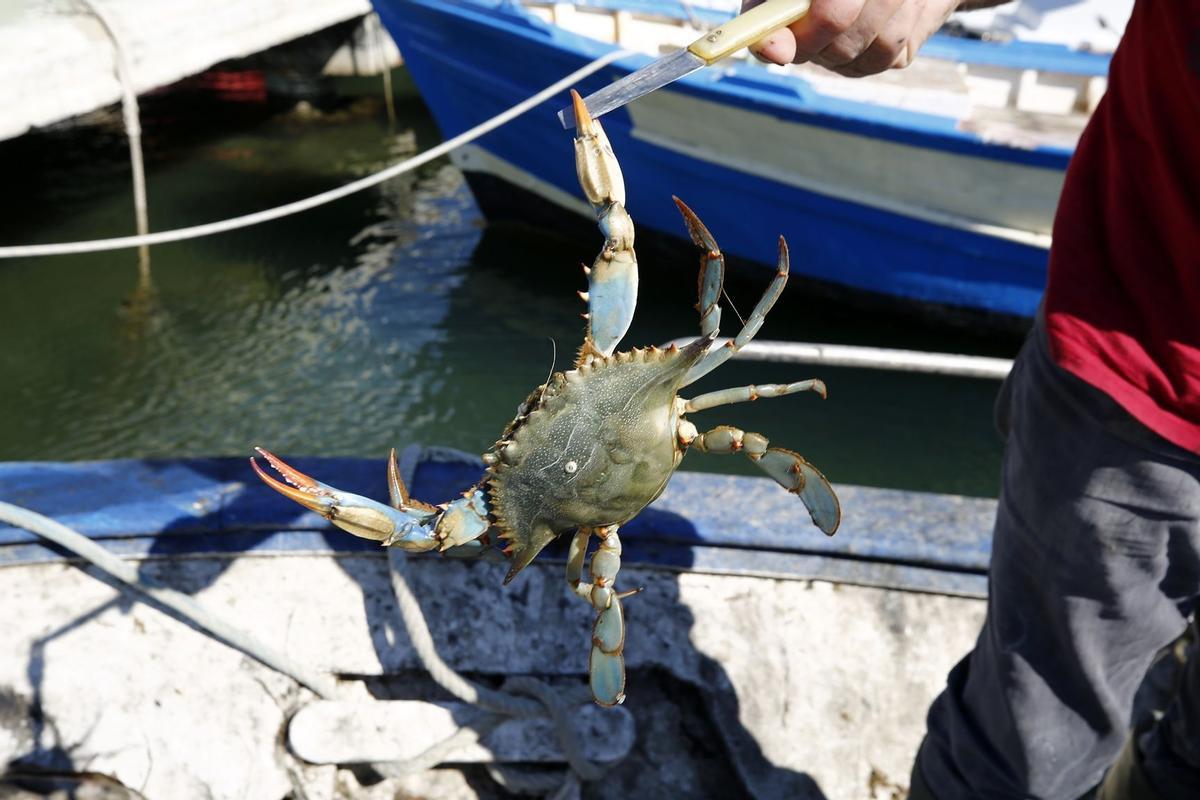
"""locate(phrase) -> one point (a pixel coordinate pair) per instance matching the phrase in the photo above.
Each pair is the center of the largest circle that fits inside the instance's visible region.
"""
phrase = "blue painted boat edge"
(1005, 303)
(218, 508)
(1016, 54)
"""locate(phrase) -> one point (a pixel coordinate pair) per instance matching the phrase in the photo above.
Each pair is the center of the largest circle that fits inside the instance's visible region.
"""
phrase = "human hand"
(856, 37)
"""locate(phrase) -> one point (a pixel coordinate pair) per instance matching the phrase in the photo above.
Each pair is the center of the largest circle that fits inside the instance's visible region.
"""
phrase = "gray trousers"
(1095, 567)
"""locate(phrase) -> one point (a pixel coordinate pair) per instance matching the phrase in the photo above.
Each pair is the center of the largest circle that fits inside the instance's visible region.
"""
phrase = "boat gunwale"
(753, 88)
(204, 508)
(1014, 53)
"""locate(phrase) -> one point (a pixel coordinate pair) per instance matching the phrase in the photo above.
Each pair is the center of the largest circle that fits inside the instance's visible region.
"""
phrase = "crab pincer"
(613, 277)
(407, 524)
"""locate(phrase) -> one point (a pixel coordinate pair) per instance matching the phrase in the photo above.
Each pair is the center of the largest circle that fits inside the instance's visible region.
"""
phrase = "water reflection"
(389, 318)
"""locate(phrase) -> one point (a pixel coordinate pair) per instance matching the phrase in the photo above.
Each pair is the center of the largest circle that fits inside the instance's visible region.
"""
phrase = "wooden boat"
(935, 184)
(755, 633)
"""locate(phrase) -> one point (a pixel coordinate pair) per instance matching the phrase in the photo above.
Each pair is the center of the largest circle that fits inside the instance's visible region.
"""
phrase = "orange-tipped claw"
(700, 234)
(583, 118)
(308, 492)
(410, 527)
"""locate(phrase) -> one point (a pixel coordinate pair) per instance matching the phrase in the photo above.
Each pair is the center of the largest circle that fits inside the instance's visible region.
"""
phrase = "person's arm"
(860, 37)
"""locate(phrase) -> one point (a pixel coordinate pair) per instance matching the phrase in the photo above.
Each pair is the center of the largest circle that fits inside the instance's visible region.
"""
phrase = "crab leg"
(576, 553)
(606, 665)
(716, 358)
(741, 394)
(408, 524)
(712, 270)
(787, 468)
(613, 278)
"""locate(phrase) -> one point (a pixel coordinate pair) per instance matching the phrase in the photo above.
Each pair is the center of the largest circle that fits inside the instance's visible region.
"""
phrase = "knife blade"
(739, 32)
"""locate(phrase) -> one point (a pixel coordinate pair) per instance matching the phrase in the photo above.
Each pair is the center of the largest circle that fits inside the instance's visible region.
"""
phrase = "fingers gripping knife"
(710, 48)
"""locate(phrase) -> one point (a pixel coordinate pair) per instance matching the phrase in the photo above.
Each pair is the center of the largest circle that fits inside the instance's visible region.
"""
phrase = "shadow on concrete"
(690, 739)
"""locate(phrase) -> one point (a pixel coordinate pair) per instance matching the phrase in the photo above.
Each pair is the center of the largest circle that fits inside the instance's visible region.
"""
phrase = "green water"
(391, 317)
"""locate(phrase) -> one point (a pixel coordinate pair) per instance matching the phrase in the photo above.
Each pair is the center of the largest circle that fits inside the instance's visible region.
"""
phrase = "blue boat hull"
(472, 60)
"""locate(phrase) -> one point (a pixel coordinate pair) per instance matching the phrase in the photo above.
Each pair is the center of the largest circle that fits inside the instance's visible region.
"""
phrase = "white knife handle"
(748, 28)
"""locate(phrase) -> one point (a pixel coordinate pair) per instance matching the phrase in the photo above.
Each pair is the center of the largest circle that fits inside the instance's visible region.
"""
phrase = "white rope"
(182, 604)
(133, 127)
(441, 672)
(540, 700)
(208, 229)
(841, 355)
(441, 752)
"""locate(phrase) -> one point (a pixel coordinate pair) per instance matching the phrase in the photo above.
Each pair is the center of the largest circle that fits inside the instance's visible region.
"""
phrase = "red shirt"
(1123, 300)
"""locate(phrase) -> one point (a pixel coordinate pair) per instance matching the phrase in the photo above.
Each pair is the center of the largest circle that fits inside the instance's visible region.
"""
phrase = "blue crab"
(594, 445)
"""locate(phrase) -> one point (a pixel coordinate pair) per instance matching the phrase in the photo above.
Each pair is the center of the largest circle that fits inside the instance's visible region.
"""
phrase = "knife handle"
(748, 28)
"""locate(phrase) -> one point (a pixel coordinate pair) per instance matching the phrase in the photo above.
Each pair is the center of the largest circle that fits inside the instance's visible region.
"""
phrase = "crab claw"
(352, 513)
(613, 278)
(595, 163)
(584, 123)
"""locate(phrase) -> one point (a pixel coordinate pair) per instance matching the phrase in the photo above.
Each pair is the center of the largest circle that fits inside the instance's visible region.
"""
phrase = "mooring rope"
(523, 697)
(133, 125)
(182, 604)
(245, 221)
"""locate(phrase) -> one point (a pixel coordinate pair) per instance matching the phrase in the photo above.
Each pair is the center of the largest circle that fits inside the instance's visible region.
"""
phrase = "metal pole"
(840, 355)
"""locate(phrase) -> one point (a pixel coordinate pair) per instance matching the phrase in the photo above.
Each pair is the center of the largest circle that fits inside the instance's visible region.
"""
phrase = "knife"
(739, 32)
